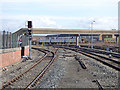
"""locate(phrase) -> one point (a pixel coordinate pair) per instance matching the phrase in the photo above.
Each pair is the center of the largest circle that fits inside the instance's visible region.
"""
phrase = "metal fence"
(9, 40)
(1, 40)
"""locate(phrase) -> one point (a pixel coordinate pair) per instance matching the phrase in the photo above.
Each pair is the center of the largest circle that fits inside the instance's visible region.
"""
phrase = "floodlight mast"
(92, 34)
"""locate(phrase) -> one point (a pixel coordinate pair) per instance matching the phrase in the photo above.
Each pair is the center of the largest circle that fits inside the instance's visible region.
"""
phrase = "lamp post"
(92, 34)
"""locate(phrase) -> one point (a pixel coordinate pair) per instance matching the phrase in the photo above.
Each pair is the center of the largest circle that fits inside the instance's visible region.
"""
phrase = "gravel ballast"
(66, 72)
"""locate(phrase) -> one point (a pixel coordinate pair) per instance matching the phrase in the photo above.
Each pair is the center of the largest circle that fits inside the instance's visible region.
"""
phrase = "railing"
(9, 40)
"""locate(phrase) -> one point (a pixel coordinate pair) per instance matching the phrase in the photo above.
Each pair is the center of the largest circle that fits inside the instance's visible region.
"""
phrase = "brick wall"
(8, 57)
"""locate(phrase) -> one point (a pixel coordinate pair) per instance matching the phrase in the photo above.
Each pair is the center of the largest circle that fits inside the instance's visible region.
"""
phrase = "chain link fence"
(9, 40)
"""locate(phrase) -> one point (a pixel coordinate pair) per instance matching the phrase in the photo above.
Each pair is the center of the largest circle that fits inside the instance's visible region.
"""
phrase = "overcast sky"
(75, 14)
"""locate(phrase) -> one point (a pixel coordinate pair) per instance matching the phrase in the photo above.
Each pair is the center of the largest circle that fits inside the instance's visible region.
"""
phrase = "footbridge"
(78, 32)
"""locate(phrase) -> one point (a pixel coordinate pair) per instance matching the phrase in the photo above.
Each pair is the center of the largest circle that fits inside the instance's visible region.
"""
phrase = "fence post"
(3, 39)
(10, 40)
(7, 40)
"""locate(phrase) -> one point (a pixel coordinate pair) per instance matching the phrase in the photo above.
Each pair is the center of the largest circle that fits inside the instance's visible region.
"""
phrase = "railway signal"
(30, 32)
(29, 24)
(30, 36)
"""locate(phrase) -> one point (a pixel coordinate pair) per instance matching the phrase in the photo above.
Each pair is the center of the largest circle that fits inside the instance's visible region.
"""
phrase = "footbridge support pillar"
(77, 40)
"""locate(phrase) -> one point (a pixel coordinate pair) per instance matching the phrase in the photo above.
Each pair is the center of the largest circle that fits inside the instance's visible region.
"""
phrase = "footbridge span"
(78, 32)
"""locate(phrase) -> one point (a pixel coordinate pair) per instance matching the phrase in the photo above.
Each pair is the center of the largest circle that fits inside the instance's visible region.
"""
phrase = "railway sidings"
(64, 67)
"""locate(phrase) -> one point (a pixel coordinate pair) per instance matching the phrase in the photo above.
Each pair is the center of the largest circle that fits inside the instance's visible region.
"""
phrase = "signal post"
(30, 36)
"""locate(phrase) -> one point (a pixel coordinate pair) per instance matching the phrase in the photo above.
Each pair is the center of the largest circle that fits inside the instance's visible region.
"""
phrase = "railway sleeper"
(99, 86)
(80, 62)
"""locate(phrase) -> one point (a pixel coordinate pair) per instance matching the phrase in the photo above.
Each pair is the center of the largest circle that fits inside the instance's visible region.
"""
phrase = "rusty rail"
(34, 82)
(22, 74)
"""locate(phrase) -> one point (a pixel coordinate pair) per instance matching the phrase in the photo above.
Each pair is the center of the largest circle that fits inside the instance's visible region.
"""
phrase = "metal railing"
(9, 40)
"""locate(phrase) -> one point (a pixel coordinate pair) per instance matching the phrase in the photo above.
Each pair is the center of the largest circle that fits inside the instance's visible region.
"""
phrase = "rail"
(11, 82)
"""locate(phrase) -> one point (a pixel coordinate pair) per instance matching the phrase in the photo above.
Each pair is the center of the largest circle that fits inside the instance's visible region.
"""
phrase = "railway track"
(115, 64)
(30, 77)
(15, 66)
(113, 48)
(116, 55)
